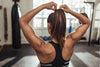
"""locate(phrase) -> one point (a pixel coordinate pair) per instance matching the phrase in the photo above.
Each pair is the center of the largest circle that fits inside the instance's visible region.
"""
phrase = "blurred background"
(86, 53)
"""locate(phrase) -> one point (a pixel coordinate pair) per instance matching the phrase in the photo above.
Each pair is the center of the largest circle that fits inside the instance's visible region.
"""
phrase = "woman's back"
(52, 52)
(57, 57)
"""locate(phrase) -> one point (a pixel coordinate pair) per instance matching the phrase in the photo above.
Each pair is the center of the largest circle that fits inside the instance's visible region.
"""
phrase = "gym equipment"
(16, 0)
(0, 7)
(41, 37)
(45, 38)
(70, 29)
(49, 38)
(89, 42)
(16, 37)
(5, 25)
(99, 41)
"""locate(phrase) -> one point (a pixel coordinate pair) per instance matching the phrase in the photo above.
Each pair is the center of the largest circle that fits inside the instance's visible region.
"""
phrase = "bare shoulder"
(48, 53)
(47, 48)
(70, 41)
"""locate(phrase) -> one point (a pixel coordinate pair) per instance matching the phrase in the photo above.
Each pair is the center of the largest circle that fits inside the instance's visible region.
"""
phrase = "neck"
(54, 40)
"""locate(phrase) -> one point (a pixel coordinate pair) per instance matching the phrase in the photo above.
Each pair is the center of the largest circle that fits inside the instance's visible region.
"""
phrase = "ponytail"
(58, 26)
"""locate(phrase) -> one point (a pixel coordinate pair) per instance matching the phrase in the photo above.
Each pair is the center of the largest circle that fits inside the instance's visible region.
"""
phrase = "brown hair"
(57, 22)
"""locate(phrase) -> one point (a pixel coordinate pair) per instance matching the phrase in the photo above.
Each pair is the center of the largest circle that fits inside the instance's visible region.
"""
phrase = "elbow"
(88, 22)
(22, 20)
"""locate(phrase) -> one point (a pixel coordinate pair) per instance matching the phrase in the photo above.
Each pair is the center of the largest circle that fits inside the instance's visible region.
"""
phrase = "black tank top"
(58, 61)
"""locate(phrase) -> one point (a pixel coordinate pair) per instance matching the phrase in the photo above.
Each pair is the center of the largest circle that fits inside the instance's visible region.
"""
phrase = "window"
(37, 22)
(40, 20)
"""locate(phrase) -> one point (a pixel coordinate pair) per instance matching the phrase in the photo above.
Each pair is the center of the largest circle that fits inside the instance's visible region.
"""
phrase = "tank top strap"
(58, 61)
(57, 48)
(58, 51)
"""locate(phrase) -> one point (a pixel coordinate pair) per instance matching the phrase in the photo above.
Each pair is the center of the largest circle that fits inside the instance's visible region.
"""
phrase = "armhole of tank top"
(55, 54)
(64, 59)
(51, 42)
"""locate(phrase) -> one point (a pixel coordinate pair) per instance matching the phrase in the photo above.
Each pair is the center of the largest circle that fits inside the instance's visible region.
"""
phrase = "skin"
(46, 51)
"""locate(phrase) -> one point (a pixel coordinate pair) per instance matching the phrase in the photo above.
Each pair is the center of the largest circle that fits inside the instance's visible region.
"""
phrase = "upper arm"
(80, 31)
(75, 36)
(37, 43)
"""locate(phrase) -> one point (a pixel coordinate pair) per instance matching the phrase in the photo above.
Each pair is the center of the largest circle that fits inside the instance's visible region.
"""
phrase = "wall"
(95, 24)
(1, 26)
(25, 7)
(97, 20)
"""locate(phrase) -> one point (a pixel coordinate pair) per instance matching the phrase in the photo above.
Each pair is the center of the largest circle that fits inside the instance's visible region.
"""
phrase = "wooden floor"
(83, 56)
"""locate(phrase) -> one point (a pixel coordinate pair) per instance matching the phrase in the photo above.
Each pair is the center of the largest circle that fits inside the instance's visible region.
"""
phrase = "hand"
(50, 5)
(65, 8)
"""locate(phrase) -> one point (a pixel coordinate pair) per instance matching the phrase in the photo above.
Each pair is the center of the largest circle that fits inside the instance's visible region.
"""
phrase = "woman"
(58, 51)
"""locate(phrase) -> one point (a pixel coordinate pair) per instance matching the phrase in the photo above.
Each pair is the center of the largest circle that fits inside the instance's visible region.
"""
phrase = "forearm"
(27, 17)
(82, 18)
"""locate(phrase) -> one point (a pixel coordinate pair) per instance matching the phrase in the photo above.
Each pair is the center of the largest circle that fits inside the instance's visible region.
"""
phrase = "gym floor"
(83, 56)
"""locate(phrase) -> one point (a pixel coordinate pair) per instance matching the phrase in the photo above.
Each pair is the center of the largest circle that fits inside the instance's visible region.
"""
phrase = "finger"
(64, 10)
(62, 6)
(52, 9)
(51, 2)
(55, 6)
(66, 6)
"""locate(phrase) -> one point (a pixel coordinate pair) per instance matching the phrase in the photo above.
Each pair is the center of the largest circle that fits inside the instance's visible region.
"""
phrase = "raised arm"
(80, 31)
(37, 43)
